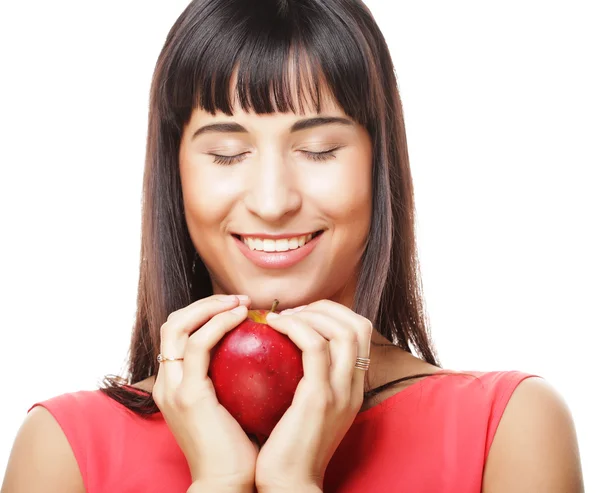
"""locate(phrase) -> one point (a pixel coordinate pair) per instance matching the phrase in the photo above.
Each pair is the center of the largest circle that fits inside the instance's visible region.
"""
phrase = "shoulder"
(60, 439)
(41, 459)
(535, 444)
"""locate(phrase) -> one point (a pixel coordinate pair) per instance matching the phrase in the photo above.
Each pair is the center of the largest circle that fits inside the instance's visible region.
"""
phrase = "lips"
(264, 253)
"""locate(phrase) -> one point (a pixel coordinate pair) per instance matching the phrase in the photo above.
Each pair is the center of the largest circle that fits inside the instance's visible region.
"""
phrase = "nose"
(272, 189)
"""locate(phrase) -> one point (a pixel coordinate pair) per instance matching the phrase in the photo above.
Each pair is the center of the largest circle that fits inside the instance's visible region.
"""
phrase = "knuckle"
(321, 304)
(164, 329)
(317, 345)
(348, 336)
(366, 326)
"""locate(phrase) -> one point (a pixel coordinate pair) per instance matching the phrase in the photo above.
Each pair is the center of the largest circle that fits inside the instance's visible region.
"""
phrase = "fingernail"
(289, 311)
(227, 298)
(238, 310)
(272, 315)
(242, 297)
(294, 310)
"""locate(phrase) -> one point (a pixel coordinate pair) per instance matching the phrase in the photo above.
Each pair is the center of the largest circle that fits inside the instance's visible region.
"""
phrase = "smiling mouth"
(279, 245)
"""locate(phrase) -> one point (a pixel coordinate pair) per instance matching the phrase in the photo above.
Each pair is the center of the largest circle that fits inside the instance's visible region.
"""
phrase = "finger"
(181, 323)
(343, 343)
(289, 311)
(196, 360)
(314, 347)
(362, 327)
(175, 332)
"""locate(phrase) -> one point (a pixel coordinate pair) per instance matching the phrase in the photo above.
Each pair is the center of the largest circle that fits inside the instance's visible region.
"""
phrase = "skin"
(277, 189)
(268, 183)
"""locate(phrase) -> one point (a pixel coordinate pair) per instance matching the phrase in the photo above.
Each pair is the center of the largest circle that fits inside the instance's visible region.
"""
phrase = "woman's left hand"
(326, 401)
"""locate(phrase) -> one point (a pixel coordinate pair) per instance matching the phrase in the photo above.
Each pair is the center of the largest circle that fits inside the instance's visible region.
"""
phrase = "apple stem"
(274, 306)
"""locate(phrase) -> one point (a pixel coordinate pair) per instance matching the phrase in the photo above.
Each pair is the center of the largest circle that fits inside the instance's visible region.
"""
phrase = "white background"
(502, 112)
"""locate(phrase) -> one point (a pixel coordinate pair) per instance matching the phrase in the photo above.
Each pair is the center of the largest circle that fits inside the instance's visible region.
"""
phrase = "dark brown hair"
(334, 45)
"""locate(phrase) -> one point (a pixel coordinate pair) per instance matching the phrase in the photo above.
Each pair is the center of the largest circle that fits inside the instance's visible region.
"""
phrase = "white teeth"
(281, 245)
(268, 245)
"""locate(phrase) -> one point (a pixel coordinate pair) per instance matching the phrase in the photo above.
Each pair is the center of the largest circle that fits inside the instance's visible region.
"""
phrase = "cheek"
(207, 198)
(207, 201)
(343, 193)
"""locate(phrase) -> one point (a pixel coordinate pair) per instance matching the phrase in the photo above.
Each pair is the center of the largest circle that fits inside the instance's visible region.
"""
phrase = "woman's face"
(249, 216)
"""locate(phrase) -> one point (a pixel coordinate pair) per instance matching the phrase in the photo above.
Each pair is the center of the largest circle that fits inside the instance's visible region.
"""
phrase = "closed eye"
(228, 159)
(315, 156)
(321, 156)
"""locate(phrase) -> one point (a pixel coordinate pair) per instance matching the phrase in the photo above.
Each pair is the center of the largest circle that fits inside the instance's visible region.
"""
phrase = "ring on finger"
(164, 359)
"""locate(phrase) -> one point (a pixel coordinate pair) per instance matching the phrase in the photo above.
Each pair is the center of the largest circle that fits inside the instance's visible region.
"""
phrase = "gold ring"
(163, 359)
(362, 363)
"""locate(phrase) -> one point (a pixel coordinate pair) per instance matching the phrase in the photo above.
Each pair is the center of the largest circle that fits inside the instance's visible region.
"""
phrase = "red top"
(433, 436)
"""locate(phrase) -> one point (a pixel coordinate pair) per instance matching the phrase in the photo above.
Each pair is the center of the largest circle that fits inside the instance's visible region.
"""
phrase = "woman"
(277, 167)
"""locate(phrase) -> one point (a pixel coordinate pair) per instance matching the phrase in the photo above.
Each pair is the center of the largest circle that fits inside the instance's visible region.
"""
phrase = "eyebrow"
(296, 127)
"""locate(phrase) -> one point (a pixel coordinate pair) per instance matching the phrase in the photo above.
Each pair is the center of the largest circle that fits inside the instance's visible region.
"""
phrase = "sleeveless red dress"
(431, 437)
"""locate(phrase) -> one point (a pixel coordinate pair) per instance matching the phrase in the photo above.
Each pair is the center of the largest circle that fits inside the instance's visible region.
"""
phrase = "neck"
(387, 360)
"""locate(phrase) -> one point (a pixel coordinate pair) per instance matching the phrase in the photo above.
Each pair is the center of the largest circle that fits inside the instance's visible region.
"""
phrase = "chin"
(289, 296)
(291, 289)
(261, 301)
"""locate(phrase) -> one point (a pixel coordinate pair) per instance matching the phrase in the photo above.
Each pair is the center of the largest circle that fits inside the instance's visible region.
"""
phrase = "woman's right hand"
(218, 451)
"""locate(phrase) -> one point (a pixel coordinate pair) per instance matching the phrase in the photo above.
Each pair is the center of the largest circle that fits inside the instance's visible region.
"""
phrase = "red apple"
(255, 371)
